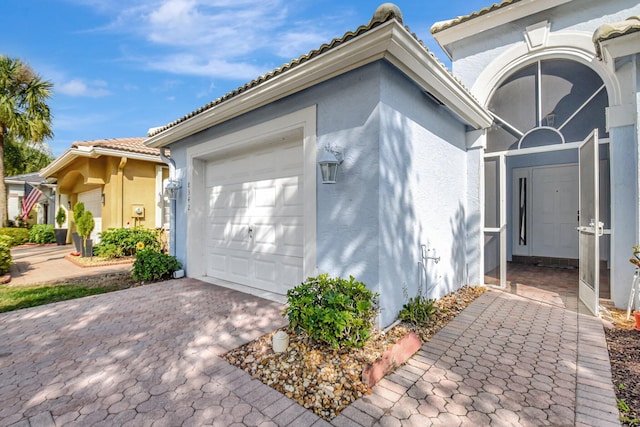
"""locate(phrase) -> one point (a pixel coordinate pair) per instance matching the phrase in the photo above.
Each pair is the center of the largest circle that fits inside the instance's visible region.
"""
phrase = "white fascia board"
(99, 151)
(93, 152)
(619, 47)
(370, 47)
(504, 15)
(426, 70)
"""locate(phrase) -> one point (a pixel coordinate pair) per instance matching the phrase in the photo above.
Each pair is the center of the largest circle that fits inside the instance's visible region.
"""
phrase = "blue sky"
(120, 67)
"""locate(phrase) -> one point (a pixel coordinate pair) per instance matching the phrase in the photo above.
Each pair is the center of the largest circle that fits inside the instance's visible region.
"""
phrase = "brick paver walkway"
(149, 356)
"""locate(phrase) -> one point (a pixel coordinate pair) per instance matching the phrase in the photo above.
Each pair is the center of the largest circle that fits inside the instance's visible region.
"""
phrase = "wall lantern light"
(550, 119)
(102, 198)
(172, 188)
(69, 204)
(329, 160)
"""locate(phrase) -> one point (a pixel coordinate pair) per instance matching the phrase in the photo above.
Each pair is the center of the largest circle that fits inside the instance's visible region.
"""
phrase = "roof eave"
(389, 40)
(472, 27)
(66, 158)
(619, 47)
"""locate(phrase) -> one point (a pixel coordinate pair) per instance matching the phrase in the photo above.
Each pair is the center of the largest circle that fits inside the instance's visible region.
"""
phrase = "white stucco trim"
(303, 121)
(619, 47)
(501, 16)
(390, 40)
(576, 46)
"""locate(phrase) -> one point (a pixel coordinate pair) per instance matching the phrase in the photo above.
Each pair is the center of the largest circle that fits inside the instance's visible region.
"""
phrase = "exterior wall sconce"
(329, 161)
(102, 199)
(550, 119)
(172, 188)
(69, 205)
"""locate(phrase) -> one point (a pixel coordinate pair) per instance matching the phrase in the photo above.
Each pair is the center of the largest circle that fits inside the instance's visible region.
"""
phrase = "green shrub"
(42, 234)
(5, 253)
(78, 210)
(418, 310)
(152, 266)
(85, 224)
(124, 241)
(108, 250)
(61, 217)
(17, 236)
(335, 311)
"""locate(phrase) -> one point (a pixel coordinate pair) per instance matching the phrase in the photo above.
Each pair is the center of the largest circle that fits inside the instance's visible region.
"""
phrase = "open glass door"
(589, 226)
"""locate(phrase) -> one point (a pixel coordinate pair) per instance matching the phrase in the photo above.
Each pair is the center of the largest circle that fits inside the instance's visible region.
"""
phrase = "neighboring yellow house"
(121, 181)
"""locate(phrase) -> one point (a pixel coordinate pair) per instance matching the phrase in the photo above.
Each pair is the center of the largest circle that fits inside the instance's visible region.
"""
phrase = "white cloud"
(223, 39)
(78, 87)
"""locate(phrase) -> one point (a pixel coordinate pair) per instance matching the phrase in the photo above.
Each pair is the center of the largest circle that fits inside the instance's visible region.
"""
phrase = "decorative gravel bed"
(325, 380)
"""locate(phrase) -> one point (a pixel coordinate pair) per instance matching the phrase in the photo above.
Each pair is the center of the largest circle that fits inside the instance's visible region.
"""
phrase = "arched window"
(552, 101)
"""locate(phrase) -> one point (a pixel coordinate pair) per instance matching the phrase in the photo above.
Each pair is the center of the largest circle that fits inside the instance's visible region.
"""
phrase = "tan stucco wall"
(124, 182)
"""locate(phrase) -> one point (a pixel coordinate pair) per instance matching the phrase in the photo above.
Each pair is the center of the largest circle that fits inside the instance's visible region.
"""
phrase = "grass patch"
(18, 297)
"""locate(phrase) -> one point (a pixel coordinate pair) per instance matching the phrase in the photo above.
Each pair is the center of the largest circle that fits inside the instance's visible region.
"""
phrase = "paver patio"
(149, 356)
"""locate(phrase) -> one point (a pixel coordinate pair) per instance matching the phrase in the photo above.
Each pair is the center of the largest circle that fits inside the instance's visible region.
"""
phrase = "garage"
(92, 200)
(255, 217)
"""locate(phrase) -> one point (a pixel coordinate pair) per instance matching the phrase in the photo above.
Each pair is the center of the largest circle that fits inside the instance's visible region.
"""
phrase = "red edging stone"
(395, 356)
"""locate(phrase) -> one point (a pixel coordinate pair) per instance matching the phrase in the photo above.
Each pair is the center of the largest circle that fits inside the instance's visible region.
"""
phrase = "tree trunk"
(3, 188)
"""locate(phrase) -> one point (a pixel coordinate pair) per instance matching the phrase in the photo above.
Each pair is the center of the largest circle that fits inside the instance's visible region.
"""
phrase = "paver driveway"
(137, 356)
(148, 356)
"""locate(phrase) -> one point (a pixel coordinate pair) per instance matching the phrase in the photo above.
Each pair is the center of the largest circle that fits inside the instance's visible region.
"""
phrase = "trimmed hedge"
(17, 236)
(5, 254)
(42, 234)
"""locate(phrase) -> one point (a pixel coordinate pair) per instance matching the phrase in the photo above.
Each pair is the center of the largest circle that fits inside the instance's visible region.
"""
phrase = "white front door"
(92, 200)
(589, 226)
(255, 218)
(554, 208)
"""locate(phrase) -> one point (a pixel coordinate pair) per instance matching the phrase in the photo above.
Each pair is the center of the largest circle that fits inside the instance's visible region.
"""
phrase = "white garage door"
(255, 218)
(93, 202)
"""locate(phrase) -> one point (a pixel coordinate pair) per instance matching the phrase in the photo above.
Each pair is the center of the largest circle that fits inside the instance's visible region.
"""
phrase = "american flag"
(31, 196)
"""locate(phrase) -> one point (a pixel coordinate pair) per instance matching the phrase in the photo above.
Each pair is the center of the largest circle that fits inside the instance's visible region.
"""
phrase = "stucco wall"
(347, 220)
(401, 183)
(474, 54)
(423, 194)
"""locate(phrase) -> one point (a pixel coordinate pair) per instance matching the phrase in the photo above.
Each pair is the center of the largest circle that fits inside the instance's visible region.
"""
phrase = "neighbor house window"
(548, 102)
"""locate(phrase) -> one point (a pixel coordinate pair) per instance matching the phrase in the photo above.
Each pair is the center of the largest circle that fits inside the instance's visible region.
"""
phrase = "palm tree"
(24, 113)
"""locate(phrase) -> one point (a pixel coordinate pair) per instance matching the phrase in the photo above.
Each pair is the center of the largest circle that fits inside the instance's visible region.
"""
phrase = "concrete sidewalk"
(46, 263)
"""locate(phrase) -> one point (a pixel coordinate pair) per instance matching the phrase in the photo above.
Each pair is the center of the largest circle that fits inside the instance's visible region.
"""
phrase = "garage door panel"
(261, 190)
(265, 270)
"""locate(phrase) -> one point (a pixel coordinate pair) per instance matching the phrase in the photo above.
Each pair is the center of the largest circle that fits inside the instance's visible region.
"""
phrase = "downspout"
(172, 202)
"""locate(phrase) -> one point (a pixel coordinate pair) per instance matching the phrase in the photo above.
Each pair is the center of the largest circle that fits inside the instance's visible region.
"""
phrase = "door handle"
(251, 231)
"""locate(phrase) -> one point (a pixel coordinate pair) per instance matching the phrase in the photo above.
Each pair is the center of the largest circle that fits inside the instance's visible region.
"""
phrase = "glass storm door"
(589, 226)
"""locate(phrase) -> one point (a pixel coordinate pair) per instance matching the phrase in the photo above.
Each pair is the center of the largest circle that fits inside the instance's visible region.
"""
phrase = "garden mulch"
(623, 341)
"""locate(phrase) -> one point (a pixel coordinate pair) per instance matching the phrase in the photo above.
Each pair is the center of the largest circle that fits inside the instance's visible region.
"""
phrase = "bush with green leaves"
(61, 217)
(5, 253)
(42, 234)
(117, 242)
(17, 236)
(335, 311)
(153, 266)
(418, 310)
(78, 210)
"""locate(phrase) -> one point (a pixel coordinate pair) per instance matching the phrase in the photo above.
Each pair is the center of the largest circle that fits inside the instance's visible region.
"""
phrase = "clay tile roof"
(382, 15)
(616, 29)
(131, 145)
(440, 26)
